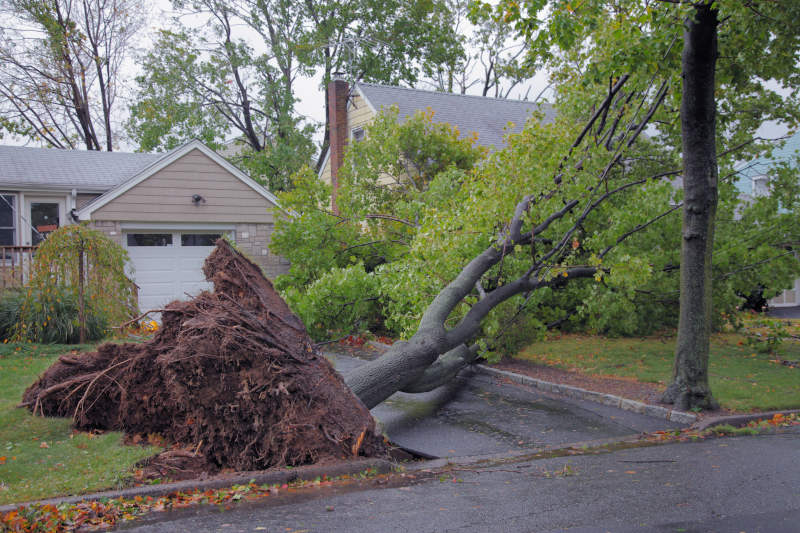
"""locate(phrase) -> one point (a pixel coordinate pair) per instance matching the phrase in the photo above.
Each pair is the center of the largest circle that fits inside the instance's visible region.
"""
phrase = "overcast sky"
(311, 98)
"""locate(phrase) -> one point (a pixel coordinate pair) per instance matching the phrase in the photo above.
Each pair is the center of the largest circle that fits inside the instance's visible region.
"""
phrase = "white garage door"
(168, 265)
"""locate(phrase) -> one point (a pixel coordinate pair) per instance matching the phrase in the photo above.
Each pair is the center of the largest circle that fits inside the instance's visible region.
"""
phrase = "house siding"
(166, 196)
(360, 114)
(83, 200)
(111, 229)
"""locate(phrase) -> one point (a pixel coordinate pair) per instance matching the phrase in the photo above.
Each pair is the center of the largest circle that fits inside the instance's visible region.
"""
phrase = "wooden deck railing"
(15, 264)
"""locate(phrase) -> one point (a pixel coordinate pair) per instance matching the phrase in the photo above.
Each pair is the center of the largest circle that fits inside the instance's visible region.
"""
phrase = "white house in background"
(166, 209)
(757, 175)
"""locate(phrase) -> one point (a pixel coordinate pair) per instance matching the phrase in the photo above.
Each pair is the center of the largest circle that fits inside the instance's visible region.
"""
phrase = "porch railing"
(15, 264)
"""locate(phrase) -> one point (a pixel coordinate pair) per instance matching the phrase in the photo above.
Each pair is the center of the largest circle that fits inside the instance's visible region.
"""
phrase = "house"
(757, 175)
(166, 209)
(352, 109)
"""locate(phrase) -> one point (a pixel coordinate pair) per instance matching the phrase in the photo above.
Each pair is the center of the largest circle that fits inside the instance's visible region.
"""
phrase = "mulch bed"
(649, 393)
(626, 388)
(231, 380)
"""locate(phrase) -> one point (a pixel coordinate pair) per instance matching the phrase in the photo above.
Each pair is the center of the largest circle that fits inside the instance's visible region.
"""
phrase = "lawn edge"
(619, 402)
(259, 477)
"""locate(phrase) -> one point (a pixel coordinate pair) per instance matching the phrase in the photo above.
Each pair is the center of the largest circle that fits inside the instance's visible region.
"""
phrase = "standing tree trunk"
(81, 295)
(689, 387)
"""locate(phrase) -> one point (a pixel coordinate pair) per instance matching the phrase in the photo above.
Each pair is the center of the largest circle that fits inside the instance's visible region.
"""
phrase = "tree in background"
(492, 57)
(208, 82)
(734, 56)
(60, 66)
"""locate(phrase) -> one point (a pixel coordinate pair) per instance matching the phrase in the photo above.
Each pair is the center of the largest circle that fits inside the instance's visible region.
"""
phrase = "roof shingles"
(66, 169)
(488, 117)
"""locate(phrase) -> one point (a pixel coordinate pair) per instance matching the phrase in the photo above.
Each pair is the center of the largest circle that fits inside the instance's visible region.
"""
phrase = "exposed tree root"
(231, 374)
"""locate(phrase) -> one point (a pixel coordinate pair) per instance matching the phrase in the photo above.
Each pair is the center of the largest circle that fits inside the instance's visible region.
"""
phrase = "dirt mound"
(232, 373)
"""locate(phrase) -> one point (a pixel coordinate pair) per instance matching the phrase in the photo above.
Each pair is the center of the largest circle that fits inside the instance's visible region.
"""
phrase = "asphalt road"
(749, 484)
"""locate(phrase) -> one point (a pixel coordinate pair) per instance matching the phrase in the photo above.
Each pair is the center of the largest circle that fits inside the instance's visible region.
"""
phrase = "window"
(44, 220)
(7, 226)
(199, 239)
(761, 186)
(357, 134)
(149, 239)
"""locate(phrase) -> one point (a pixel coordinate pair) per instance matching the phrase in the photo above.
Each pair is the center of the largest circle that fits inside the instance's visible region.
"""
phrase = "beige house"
(166, 209)
(353, 108)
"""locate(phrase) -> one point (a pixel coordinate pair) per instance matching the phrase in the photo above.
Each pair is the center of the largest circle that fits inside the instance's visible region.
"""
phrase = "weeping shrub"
(50, 309)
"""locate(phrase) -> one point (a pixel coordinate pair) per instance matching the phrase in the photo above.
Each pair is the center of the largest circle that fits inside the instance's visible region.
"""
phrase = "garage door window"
(199, 239)
(149, 239)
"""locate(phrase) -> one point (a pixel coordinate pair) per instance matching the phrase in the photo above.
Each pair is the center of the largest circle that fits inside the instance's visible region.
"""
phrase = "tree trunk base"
(685, 398)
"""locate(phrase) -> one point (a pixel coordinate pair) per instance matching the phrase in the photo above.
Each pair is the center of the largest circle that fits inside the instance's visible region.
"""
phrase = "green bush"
(342, 301)
(10, 306)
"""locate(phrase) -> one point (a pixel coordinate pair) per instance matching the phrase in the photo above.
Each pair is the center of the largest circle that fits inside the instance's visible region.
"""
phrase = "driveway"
(479, 414)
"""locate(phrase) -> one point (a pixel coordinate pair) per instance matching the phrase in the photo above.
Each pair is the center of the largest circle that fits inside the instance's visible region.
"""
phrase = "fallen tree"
(436, 352)
(235, 374)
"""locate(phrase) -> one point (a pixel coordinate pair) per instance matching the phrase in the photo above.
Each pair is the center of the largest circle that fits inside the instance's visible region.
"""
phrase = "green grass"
(71, 463)
(742, 378)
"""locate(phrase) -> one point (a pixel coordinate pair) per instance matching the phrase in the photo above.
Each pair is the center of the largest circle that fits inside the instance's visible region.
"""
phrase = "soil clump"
(231, 374)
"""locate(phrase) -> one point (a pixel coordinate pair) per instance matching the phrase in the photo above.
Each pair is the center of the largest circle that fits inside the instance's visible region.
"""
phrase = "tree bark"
(689, 387)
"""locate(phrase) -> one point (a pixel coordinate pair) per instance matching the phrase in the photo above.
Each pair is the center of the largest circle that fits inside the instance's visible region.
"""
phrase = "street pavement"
(749, 484)
(478, 414)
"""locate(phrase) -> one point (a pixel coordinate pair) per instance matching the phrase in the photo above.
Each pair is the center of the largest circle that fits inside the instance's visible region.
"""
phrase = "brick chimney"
(338, 92)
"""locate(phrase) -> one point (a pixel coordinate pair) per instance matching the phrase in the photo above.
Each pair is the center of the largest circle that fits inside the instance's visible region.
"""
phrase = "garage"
(167, 265)
(169, 215)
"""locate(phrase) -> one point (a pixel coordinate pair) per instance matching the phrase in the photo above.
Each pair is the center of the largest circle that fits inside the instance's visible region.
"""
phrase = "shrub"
(342, 301)
(50, 308)
(10, 307)
(53, 318)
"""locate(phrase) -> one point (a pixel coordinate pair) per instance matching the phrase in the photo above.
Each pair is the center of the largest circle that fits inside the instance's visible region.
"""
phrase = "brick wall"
(338, 91)
(110, 227)
(253, 239)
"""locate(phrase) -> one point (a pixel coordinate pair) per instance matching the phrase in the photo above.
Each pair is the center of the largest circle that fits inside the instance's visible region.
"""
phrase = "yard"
(743, 377)
(42, 457)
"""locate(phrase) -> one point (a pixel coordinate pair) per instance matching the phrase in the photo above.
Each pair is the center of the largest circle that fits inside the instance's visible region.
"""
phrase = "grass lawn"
(41, 457)
(742, 379)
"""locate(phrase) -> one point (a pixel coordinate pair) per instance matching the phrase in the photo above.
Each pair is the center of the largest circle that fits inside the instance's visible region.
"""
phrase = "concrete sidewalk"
(480, 414)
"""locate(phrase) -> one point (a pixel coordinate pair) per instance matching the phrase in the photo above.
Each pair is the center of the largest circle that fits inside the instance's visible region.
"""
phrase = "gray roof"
(488, 117)
(53, 168)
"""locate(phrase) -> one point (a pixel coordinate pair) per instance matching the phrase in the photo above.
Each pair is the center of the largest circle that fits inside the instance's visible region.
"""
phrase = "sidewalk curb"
(739, 420)
(260, 477)
(625, 404)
